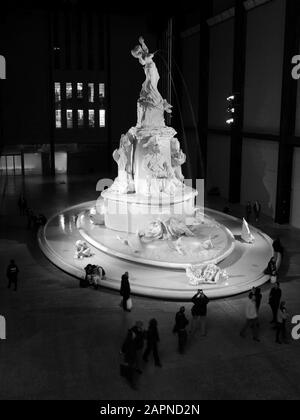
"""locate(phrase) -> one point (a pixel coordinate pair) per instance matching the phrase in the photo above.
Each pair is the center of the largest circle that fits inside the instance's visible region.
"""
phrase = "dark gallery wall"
(263, 91)
(126, 74)
(220, 75)
(259, 173)
(220, 87)
(295, 204)
(265, 29)
(221, 5)
(27, 93)
(187, 87)
(264, 63)
(25, 96)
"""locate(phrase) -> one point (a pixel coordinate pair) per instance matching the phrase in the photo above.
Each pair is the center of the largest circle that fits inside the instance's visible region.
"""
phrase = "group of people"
(253, 208)
(279, 310)
(34, 221)
(93, 276)
(199, 316)
(138, 345)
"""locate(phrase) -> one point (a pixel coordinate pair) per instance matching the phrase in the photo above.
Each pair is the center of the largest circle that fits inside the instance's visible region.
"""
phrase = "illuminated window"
(57, 92)
(101, 90)
(69, 90)
(80, 117)
(79, 90)
(58, 118)
(91, 92)
(102, 117)
(91, 118)
(69, 118)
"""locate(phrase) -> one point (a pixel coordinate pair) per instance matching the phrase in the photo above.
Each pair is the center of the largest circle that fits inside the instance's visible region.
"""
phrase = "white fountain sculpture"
(150, 184)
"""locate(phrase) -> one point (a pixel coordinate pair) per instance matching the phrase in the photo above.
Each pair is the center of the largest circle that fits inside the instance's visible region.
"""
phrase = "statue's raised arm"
(151, 105)
(143, 45)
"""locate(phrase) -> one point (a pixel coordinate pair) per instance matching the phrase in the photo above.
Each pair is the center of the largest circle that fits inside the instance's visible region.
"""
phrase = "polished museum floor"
(63, 342)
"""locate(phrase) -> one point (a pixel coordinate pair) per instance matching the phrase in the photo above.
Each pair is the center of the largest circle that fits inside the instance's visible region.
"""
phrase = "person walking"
(129, 353)
(139, 341)
(125, 291)
(199, 312)
(248, 211)
(152, 338)
(12, 274)
(30, 218)
(257, 210)
(251, 318)
(22, 204)
(180, 328)
(282, 318)
(271, 270)
(274, 301)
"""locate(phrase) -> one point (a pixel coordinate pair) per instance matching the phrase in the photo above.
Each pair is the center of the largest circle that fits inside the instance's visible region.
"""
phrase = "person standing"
(152, 338)
(248, 211)
(12, 274)
(199, 311)
(129, 352)
(271, 270)
(125, 292)
(139, 340)
(251, 318)
(282, 317)
(274, 301)
(22, 204)
(180, 328)
(258, 298)
(278, 252)
(30, 218)
(257, 210)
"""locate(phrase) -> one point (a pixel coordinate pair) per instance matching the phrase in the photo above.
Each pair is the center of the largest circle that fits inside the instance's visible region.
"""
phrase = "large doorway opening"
(61, 162)
(11, 165)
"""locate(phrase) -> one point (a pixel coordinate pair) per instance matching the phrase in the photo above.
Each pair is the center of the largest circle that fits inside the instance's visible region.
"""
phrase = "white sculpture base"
(245, 265)
(132, 212)
(211, 244)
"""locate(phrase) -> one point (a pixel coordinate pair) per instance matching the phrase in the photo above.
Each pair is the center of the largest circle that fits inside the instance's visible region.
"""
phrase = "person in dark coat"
(152, 338)
(199, 311)
(257, 210)
(282, 318)
(125, 291)
(278, 252)
(139, 340)
(129, 351)
(248, 211)
(271, 270)
(277, 246)
(274, 301)
(12, 274)
(258, 298)
(85, 282)
(180, 328)
(30, 218)
(22, 204)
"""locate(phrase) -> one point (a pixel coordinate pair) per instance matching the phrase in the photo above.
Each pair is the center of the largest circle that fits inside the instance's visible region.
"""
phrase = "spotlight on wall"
(232, 105)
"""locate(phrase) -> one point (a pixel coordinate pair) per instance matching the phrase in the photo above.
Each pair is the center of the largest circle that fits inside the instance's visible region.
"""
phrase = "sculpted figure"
(178, 158)
(122, 156)
(157, 168)
(171, 229)
(149, 95)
